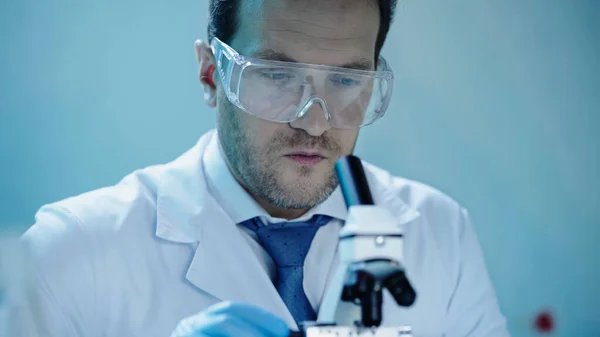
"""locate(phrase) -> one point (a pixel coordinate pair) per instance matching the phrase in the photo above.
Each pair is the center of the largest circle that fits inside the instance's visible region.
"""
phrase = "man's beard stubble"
(257, 171)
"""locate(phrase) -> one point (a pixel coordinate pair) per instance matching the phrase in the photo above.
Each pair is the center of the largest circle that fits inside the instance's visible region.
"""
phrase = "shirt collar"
(240, 205)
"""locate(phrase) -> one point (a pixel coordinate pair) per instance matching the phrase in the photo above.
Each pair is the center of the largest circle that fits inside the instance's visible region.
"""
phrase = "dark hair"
(223, 20)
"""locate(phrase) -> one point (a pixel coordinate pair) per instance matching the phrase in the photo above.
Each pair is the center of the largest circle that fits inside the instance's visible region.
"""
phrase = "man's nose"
(314, 120)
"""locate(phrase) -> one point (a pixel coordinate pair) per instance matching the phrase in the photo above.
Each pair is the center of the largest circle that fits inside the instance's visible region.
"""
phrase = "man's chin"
(307, 192)
(303, 177)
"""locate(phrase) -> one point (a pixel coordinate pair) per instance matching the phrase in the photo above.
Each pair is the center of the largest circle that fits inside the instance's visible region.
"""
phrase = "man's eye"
(276, 76)
(345, 81)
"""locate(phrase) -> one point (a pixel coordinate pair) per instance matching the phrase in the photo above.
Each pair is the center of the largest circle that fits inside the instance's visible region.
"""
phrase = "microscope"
(370, 249)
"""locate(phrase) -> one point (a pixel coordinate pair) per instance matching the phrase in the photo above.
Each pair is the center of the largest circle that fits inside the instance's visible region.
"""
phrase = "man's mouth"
(305, 158)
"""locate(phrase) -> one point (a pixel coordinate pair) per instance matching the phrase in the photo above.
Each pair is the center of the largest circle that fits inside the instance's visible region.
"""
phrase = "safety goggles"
(283, 92)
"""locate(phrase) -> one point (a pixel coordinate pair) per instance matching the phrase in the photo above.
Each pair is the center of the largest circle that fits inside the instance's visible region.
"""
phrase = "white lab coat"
(135, 258)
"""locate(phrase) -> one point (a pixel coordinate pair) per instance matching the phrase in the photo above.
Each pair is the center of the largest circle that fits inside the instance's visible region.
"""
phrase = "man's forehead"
(334, 33)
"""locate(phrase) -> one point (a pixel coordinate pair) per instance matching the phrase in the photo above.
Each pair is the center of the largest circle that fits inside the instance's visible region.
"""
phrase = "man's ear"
(206, 61)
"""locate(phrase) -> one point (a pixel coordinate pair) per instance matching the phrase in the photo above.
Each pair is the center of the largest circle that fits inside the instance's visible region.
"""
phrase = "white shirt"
(135, 258)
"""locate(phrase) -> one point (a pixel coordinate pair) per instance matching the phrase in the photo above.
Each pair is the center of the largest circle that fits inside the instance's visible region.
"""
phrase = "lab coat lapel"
(223, 265)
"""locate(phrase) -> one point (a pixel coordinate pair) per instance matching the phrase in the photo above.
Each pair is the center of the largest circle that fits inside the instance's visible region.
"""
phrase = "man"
(239, 234)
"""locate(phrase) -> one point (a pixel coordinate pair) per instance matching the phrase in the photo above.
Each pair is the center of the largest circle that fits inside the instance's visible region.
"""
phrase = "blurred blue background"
(497, 103)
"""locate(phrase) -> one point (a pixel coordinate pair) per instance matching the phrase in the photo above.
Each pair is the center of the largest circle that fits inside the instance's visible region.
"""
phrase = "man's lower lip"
(305, 160)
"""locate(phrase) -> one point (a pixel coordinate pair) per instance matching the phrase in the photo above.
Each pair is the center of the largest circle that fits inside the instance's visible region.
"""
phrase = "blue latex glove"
(227, 319)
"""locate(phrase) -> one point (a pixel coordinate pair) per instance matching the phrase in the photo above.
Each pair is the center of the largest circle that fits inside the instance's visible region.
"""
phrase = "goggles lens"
(284, 91)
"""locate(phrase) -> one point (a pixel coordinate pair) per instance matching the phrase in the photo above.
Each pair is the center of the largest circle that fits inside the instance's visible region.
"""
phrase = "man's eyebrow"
(362, 64)
(272, 55)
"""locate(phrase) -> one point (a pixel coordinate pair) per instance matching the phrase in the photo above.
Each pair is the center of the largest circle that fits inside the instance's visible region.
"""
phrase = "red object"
(544, 322)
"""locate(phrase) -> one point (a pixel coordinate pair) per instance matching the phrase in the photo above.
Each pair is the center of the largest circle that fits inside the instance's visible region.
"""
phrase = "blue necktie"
(287, 244)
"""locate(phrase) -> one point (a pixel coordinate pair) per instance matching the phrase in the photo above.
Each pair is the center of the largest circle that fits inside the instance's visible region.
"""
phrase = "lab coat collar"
(182, 198)
(385, 192)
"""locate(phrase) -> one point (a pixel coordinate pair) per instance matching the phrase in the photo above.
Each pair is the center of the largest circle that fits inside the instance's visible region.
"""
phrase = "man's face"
(270, 159)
